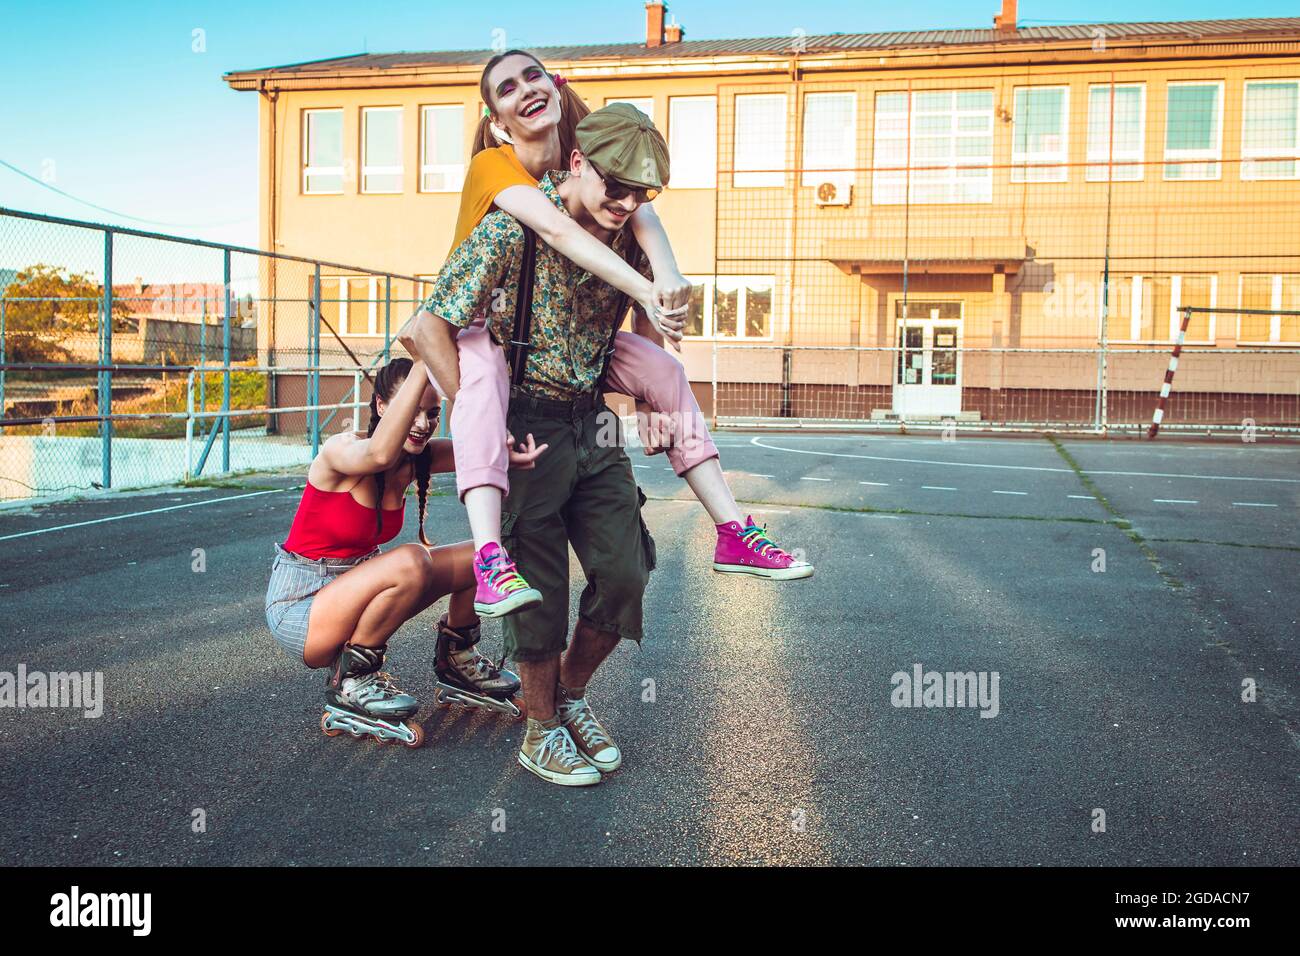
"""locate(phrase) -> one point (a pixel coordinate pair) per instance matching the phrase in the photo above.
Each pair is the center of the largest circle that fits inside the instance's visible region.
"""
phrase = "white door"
(927, 379)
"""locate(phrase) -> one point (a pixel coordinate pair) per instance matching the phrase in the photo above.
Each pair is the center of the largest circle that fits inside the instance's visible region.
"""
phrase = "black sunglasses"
(616, 190)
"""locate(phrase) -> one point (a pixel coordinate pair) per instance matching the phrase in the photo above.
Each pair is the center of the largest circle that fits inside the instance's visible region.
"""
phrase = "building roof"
(1195, 30)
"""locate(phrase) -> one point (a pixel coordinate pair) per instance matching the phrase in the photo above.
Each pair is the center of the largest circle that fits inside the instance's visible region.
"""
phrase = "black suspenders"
(521, 335)
(522, 331)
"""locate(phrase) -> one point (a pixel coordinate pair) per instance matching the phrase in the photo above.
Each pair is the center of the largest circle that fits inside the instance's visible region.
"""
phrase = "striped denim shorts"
(294, 583)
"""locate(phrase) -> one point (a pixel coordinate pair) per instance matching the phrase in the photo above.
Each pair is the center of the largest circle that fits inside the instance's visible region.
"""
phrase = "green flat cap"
(621, 141)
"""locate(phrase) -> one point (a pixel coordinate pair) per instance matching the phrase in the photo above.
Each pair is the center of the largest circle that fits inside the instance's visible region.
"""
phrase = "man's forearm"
(432, 340)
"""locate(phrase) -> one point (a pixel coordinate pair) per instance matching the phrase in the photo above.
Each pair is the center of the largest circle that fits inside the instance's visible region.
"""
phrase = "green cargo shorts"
(581, 493)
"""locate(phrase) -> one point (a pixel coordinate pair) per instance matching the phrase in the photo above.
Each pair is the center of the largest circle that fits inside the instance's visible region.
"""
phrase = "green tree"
(67, 304)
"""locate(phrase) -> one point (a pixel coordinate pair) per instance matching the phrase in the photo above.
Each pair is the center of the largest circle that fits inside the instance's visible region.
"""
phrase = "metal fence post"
(105, 360)
(1099, 407)
(225, 360)
(203, 359)
(355, 417)
(388, 310)
(2, 362)
(189, 424)
(713, 380)
(313, 358)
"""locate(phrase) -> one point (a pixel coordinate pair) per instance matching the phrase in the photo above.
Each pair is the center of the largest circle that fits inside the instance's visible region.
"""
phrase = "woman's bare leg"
(366, 604)
(483, 506)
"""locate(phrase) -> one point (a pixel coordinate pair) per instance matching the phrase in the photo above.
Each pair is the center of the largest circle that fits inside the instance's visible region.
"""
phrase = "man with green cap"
(581, 492)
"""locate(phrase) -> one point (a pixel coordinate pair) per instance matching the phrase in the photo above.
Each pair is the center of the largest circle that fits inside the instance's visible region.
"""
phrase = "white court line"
(752, 475)
(141, 514)
(1082, 497)
(1252, 504)
(757, 442)
(1011, 492)
(938, 488)
(806, 478)
(878, 484)
(642, 467)
(1175, 501)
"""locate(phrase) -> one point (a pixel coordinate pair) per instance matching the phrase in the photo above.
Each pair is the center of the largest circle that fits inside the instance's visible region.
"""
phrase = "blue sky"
(110, 103)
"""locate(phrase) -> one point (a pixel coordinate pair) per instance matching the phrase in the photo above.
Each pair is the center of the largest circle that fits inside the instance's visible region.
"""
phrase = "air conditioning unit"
(832, 190)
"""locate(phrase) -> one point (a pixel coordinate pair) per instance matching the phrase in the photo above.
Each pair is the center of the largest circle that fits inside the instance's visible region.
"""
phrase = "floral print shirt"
(573, 311)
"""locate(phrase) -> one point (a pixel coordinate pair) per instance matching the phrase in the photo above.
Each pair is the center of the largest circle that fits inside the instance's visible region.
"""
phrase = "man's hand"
(662, 326)
(672, 292)
(655, 429)
(525, 456)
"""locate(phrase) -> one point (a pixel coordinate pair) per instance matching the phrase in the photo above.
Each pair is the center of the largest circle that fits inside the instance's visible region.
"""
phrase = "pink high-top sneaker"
(501, 589)
(746, 549)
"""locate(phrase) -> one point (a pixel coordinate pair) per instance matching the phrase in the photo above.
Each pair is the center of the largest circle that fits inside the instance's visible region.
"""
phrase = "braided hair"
(386, 383)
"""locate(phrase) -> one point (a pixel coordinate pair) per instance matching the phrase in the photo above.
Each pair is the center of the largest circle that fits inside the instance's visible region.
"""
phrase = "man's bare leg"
(539, 678)
(548, 750)
(587, 651)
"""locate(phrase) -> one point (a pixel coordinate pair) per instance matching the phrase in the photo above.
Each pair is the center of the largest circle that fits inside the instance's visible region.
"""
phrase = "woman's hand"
(655, 429)
(524, 457)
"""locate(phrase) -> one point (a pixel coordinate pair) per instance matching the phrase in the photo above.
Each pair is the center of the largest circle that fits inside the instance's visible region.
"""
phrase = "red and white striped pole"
(1169, 375)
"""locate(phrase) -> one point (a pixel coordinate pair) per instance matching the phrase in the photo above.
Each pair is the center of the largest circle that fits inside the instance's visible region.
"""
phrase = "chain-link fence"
(1007, 249)
(130, 358)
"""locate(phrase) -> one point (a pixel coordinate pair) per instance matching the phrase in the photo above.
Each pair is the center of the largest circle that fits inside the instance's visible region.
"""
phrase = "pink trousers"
(640, 369)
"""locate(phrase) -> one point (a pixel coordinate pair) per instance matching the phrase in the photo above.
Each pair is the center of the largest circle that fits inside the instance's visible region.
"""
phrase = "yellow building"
(1003, 224)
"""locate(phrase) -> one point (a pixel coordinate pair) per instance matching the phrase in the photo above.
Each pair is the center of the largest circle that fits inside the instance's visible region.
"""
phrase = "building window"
(738, 307)
(1040, 142)
(759, 158)
(322, 152)
(1280, 292)
(381, 149)
(693, 141)
(645, 104)
(1193, 130)
(442, 151)
(1121, 299)
(830, 128)
(1164, 297)
(1148, 308)
(949, 135)
(351, 306)
(424, 287)
(1116, 132)
(1270, 130)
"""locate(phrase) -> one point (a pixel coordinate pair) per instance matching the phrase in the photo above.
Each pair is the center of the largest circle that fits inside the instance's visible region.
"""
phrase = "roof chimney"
(673, 32)
(654, 23)
(1006, 20)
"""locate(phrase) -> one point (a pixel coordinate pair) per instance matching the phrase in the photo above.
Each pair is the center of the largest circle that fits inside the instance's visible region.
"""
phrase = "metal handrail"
(221, 247)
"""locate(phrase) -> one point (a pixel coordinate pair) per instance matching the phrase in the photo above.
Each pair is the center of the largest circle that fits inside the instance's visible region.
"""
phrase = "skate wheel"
(419, 736)
(328, 731)
(523, 708)
(440, 700)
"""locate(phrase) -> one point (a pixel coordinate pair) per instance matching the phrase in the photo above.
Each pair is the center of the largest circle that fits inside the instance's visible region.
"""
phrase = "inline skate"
(363, 700)
(467, 677)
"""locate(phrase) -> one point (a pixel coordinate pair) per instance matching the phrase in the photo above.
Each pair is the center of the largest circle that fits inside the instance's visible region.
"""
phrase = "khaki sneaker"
(549, 752)
(592, 740)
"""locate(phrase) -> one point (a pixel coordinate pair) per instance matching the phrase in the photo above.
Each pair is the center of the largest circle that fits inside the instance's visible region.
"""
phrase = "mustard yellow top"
(490, 172)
